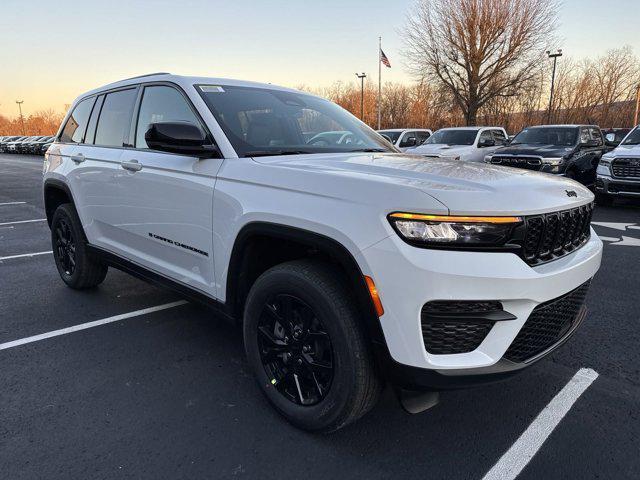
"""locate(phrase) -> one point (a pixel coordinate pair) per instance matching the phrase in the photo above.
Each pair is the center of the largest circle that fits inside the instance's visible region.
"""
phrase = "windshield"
(262, 121)
(633, 138)
(453, 137)
(561, 136)
(392, 135)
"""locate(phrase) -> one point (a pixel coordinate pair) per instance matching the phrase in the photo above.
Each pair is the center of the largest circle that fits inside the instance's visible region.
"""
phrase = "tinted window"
(633, 138)
(453, 137)
(499, 137)
(115, 118)
(486, 137)
(263, 121)
(392, 135)
(162, 104)
(563, 136)
(422, 136)
(596, 135)
(75, 127)
(409, 140)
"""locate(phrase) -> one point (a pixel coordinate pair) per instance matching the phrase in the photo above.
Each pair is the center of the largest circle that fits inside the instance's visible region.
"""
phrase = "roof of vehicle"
(466, 128)
(565, 125)
(187, 82)
(403, 129)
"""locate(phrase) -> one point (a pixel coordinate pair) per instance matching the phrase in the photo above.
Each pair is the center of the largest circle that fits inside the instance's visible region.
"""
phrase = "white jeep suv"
(349, 266)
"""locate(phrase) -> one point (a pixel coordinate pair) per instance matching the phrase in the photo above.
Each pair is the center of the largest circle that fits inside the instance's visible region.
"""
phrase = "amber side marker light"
(375, 298)
(454, 219)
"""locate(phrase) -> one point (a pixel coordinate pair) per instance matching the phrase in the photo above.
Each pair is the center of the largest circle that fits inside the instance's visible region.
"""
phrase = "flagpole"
(379, 79)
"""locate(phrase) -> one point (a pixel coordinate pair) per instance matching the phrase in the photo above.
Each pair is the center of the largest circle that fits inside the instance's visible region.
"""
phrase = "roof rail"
(146, 75)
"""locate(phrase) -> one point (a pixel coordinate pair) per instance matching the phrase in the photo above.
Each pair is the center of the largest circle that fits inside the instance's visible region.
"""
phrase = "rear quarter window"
(76, 126)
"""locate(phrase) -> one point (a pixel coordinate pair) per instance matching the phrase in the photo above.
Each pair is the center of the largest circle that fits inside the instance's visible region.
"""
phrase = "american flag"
(384, 59)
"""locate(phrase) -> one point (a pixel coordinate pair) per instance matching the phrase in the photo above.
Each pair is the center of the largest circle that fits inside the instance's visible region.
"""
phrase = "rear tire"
(312, 297)
(77, 268)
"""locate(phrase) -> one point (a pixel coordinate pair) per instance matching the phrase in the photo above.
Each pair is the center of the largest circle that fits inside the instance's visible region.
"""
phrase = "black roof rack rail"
(146, 75)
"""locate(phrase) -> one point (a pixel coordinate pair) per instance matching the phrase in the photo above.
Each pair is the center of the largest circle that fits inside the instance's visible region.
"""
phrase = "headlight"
(443, 230)
(606, 161)
(552, 161)
(487, 158)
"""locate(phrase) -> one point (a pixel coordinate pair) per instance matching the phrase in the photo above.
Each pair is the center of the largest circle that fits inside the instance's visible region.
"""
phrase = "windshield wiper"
(368, 150)
(631, 143)
(266, 153)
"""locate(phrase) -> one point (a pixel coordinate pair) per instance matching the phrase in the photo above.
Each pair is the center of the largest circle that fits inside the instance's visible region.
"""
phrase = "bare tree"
(479, 49)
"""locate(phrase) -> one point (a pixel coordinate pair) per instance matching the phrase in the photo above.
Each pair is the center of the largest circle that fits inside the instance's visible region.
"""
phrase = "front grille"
(547, 325)
(450, 327)
(529, 163)
(626, 167)
(556, 234)
(624, 188)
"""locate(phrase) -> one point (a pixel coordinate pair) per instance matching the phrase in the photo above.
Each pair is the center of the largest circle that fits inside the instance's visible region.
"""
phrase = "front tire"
(77, 268)
(306, 347)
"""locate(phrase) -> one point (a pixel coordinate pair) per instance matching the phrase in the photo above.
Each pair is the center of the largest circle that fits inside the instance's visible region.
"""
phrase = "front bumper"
(408, 277)
(617, 186)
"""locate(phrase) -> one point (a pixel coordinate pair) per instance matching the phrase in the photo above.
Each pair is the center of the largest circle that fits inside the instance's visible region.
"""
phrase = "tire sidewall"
(341, 391)
(67, 213)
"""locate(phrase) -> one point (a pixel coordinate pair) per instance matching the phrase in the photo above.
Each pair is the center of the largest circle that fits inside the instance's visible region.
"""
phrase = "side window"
(422, 136)
(486, 138)
(596, 135)
(162, 104)
(409, 140)
(115, 118)
(75, 127)
(93, 121)
(584, 135)
(499, 137)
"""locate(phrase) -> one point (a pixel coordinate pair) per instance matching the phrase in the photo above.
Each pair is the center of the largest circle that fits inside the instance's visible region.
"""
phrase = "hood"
(622, 150)
(464, 188)
(440, 149)
(544, 151)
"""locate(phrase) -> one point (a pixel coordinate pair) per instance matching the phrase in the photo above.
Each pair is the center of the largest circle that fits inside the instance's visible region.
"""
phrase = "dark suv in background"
(570, 150)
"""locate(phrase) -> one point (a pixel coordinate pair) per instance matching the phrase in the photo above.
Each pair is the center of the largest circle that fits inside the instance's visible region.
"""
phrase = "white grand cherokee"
(349, 265)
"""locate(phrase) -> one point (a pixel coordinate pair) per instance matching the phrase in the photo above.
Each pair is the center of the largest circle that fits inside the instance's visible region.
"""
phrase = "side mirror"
(178, 137)
(487, 142)
(410, 142)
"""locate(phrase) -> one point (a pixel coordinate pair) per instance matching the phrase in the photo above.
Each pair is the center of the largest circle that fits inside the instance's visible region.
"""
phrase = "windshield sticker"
(211, 88)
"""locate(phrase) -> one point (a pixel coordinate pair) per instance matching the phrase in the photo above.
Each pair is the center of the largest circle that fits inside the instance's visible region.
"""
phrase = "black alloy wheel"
(65, 246)
(295, 349)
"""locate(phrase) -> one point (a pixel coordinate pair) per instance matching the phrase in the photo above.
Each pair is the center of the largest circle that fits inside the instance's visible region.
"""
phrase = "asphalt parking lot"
(167, 394)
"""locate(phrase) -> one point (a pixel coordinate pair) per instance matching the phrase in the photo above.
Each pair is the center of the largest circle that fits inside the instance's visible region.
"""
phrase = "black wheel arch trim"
(59, 185)
(314, 240)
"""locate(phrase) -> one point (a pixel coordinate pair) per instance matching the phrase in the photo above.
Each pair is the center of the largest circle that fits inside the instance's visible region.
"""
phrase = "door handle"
(132, 165)
(79, 158)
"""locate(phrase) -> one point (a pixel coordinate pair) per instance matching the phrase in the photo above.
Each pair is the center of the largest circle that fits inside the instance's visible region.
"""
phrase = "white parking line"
(12, 203)
(25, 255)
(24, 221)
(525, 448)
(84, 326)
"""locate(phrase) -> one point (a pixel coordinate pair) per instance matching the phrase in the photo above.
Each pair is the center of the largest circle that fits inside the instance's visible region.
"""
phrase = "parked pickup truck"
(469, 144)
(569, 150)
(348, 266)
(619, 171)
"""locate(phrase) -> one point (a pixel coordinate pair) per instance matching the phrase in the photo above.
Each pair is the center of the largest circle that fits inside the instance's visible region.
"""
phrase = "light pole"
(635, 118)
(555, 56)
(20, 102)
(361, 76)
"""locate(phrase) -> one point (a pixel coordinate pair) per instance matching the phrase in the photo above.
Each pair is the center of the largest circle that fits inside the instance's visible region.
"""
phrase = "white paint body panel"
(344, 196)
(467, 153)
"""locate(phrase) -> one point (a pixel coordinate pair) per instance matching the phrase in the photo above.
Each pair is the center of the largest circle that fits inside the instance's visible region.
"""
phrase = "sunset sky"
(53, 51)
